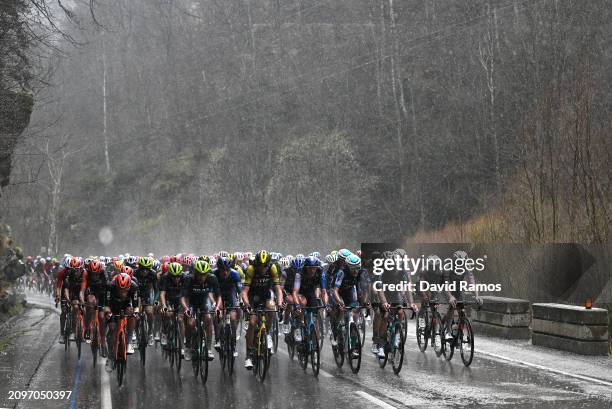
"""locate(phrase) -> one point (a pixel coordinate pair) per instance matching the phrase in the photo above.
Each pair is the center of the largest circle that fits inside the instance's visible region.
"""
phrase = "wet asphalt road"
(31, 359)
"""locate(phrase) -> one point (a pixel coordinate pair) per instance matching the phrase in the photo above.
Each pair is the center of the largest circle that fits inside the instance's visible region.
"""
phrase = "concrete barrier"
(570, 328)
(502, 317)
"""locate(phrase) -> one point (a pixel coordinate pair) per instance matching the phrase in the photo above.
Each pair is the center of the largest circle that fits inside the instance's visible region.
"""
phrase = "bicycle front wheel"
(143, 332)
(466, 339)
(262, 355)
(397, 349)
(78, 332)
(315, 352)
(354, 348)
(422, 329)
(203, 357)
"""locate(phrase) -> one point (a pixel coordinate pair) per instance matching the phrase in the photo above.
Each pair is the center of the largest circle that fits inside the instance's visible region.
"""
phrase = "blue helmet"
(297, 263)
(312, 261)
(224, 263)
(315, 254)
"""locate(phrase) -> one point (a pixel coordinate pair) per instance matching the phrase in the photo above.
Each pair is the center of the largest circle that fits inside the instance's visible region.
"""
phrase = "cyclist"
(170, 289)
(121, 298)
(261, 277)
(349, 278)
(200, 291)
(97, 281)
(308, 285)
(230, 285)
(71, 284)
(388, 299)
(291, 299)
(457, 295)
(148, 291)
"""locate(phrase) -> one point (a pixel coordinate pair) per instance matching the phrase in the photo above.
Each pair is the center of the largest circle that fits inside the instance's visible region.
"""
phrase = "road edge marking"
(375, 400)
(105, 394)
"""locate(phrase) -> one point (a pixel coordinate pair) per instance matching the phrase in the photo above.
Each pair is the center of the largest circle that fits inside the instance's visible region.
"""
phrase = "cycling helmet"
(94, 266)
(122, 281)
(127, 270)
(315, 254)
(343, 254)
(145, 262)
(75, 263)
(275, 256)
(175, 269)
(165, 259)
(262, 258)
(284, 262)
(187, 261)
(131, 261)
(204, 257)
(224, 263)
(117, 264)
(331, 258)
(164, 267)
(156, 265)
(297, 263)
(29, 258)
(460, 254)
(223, 254)
(334, 253)
(353, 261)
(400, 252)
(48, 259)
(238, 256)
(312, 261)
(53, 260)
(289, 257)
(299, 255)
(201, 267)
(42, 261)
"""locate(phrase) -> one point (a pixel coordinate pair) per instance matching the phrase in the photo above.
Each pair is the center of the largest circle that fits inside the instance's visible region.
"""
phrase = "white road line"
(546, 368)
(375, 400)
(105, 393)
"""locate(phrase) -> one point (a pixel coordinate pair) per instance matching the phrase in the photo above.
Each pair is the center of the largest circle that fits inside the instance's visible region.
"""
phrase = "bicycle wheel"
(354, 348)
(321, 330)
(466, 339)
(171, 345)
(262, 356)
(315, 352)
(302, 349)
(178, 354)
(448, 345)
(405, 326)
(290, 346)
(437, 329)
(422, 329)
(361, 326)
(230, 348)
(338, 349)
(275, 333)
(78, 332)
(67, 329)
(397, 349)
(120, 362)
(94, 334)
(143, 338)
(196, 344)
(203, 356)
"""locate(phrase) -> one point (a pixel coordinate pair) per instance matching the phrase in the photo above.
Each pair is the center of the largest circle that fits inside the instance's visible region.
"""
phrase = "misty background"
(300, 125)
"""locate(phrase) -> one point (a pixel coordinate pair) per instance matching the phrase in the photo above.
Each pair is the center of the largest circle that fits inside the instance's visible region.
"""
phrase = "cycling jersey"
(348, 284)
(118, 302)
(74, 283)
(147, 285)
(261, 280)
(173, 287)
(229, 286)
(197, 291)
(289, 279)
(307, 283)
